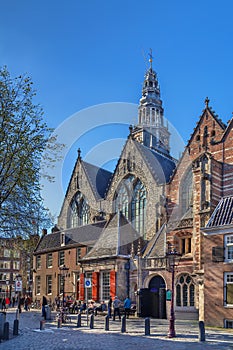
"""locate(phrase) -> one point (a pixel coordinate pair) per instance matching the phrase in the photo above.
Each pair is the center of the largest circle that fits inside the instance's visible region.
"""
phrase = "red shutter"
(81, 286)
(95, 286)
(112, 283)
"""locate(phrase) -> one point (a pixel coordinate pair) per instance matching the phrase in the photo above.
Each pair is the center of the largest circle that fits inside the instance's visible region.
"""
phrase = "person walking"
(127, 306)
(116, 308)
(44, 303)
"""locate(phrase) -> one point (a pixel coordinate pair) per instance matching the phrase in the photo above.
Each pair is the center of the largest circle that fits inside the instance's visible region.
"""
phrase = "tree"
(23, 138)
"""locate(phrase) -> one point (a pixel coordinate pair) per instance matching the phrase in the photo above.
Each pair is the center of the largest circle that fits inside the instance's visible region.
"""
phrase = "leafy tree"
(23, 139)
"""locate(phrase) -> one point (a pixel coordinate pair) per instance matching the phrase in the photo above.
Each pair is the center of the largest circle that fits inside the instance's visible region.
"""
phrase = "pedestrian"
(3, 304)
(116, 308)
(13, 301)
(110, 307)
(127, 306)
(44, 303)
(7, 302)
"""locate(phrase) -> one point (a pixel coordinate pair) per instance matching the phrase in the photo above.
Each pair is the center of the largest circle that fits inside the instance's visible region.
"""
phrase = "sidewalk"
(70, 337)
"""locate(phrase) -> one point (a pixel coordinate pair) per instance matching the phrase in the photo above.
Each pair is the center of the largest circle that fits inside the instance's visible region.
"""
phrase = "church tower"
(151, 131)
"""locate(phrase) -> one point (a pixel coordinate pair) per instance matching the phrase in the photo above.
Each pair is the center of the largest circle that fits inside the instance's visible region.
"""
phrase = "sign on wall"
(87, 282)
(18, 286)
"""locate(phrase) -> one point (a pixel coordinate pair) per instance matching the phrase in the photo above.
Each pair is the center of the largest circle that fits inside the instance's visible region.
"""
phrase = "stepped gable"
(98, 178)
(115, 240)
(223, 213)
(84, 235)
(156, 247)
(160, 165)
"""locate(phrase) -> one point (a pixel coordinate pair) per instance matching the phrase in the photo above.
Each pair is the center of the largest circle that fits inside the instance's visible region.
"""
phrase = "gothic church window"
(185, 291)
(131, 200)
(186, 191)
(79, 211)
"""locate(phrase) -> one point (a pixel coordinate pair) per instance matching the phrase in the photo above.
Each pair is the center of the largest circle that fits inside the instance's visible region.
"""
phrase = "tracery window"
(186, 191)
(131, 200)
(79, 211)
(185, 291)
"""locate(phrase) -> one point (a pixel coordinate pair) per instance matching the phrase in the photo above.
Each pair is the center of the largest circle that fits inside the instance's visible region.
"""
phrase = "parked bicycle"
(63, 315)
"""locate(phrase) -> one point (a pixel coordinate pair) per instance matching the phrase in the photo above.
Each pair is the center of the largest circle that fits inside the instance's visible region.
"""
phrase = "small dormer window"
(63, 239)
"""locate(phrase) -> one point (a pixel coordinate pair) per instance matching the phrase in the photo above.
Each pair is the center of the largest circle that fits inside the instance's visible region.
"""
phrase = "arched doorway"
(153, 298)
(157, 288)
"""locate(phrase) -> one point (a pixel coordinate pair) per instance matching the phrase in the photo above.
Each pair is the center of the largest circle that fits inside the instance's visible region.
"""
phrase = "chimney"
(44, 232)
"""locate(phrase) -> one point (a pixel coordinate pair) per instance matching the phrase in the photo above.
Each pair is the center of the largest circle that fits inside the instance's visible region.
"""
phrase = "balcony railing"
(154, 263)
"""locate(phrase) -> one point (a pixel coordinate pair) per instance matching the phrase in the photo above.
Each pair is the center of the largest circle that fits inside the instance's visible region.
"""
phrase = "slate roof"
(98, 178)
(83, 235)
(115, 240)
(156, 246)
(223, 213)
(161, 165)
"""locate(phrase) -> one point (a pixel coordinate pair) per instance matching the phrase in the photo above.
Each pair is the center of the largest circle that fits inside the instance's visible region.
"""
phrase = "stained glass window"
(131, 200)
(79, 211)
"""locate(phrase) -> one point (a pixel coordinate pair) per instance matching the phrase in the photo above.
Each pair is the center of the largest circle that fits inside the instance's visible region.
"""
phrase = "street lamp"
(7, 284)
(171, 257)
(63, 270)
(18, 290)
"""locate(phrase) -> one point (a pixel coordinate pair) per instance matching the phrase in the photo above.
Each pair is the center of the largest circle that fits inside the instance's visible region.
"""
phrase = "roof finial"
(79, 153)
(207, 102)
(151, 58)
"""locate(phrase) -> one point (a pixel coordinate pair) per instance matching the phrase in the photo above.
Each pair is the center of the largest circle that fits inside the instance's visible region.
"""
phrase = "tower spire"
(153, 133)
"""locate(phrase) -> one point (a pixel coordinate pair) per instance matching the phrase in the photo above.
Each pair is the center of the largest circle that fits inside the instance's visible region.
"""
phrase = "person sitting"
(73, 307)
(102, 307)
(91, 308)
(83, 307)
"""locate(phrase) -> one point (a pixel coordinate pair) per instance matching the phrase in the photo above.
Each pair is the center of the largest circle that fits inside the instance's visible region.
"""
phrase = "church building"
(123, 233)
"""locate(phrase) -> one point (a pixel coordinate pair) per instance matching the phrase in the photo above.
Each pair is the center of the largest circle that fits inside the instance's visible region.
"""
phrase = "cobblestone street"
(70, 337)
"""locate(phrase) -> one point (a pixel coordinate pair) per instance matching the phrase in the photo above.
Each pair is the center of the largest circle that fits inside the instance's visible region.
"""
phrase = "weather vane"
(151, 58)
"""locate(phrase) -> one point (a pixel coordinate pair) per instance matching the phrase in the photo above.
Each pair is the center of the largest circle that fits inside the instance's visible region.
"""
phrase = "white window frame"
(105, 295)
(228, 279)
(49, 260)
(228, 240)
(49, 284)
(38, 285)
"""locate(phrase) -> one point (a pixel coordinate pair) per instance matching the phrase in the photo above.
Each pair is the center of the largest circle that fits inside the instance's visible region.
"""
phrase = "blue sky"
(90, 52)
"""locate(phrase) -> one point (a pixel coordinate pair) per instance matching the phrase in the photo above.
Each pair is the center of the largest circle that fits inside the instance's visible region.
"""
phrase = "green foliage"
(23, 138)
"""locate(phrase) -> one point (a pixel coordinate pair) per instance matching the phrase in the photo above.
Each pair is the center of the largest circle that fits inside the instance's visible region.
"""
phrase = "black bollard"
(201, 331)
(16, 327)
(147, 326)
(79, 319)
(123, 324)
(59, 322)
(107, 323)
(92, 322)
(42, 325)
(6, 331)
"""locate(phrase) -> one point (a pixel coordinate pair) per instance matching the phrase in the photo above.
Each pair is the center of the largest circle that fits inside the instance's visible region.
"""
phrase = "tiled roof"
(161, 165)
(223, 213)
(98, 178)
(83, 235)
(116, 239)
(156, 246)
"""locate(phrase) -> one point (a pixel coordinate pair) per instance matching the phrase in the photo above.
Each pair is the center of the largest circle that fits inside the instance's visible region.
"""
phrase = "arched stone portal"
(153, 299)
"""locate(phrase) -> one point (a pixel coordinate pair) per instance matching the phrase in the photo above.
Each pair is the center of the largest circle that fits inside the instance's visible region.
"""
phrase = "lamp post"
(7, 284)
(18, 290)
(63, 270)
(171, 256)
